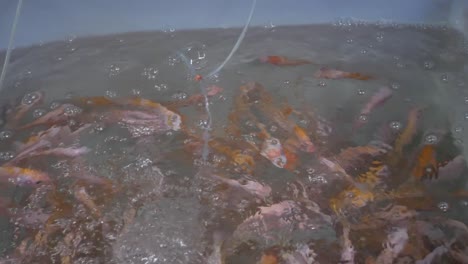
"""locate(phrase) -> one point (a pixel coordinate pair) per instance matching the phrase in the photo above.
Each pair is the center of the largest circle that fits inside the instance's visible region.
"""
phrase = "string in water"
(203, 85)
(10, 43)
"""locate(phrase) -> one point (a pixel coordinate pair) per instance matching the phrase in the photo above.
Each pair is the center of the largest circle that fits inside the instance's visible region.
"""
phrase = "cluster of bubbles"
(38, 112)
(150, 73)
(6, 134)
(72, 110)
(111, 93)
(6, 155)
(29, 98)
(395, 125)
(113, 70)
(431, 139)
(196, 55)
(179, 96)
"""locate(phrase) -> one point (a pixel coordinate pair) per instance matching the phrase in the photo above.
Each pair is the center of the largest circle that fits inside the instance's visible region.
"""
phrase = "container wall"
(43, 21)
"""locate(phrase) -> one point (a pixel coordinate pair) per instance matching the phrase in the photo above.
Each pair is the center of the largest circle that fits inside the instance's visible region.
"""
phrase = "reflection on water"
(328, 143)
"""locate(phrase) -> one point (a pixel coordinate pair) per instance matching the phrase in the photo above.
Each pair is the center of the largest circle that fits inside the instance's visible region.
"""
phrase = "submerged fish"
(378, 99)
(273, 151)
(23, 176)
(327, 73)
(29, 101)
(282, 61)
(57, 116)
(426, 165)
(143, 123)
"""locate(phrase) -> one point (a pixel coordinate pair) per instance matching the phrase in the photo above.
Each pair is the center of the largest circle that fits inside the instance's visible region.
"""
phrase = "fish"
(376, 100)
(69, 152)
(279, 223)
(83, 196)
(54, 136)
(303, 254)
(396, 242)
(57, 116)
(282, 61)
(409, 131)
(253, 188)
(143, 123)
(306, 144)
(20, 111)
(426, 166)
(347, 251)
(23, 176)
(328, 73)
(273, 151)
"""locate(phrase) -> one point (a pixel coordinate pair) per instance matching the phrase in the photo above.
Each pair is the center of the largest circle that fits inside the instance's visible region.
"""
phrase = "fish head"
(174, 121)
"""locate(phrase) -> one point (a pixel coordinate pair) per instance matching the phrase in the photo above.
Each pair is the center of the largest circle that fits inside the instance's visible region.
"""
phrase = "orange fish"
(410, 130)
(426, 164)
(327, 73)
(282, 61)
(22, 175)
(306, 144)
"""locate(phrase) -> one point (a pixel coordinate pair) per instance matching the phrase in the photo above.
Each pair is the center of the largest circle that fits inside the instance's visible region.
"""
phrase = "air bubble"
(395, 86)
(364, 51)
(380, 36)
(458, 129)
(196, 55)
(322, 84)
(429, 65)
(443, 206)
(29, 98)
(466, 116)
(6, 155)
(202, 123)
(349, 41)
(6, 134)
(361, 92)
(395, 125)
(98, 127)
(444, 77)
(38, 112)
(431, 139)
(54, 105)
(310, 171)
(466, 99)
(274, 142)
(273, 129)
(363, 118)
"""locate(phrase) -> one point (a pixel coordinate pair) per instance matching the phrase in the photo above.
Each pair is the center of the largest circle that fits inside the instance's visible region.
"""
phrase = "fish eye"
(38, 182)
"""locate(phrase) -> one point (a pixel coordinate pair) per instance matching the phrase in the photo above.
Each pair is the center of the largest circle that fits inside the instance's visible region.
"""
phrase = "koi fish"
(254, 188)
(327, 73)
(395, 243)
(59, 115)
(410, 130)
(282, 61)
(347, 251)
(426, 165)
(32, 100)
(23, 176)
(142, 123)
(306, 144)
(378, 99)
(273, 151)
(69, 152)
(83, 196)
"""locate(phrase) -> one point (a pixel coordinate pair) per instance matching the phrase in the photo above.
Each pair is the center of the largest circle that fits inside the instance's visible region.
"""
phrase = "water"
(154, 199)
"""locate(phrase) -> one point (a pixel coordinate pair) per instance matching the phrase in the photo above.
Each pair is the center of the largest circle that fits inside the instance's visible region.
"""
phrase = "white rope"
(10, 43)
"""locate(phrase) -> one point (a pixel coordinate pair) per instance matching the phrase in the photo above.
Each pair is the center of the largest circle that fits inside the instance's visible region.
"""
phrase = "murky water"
(138, 190)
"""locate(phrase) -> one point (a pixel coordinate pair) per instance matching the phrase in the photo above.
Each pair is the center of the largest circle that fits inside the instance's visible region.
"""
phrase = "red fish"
(327, 73)
(282, 61)
(378, 99)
